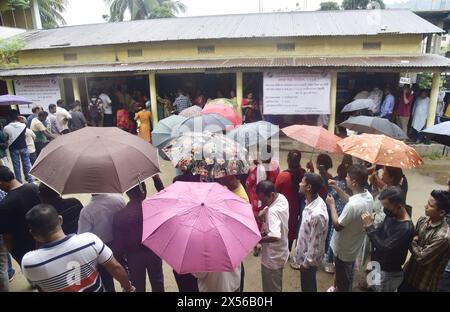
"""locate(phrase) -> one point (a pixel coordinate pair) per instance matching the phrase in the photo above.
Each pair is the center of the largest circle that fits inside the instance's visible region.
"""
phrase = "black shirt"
(12, 218)
(69, 209)
(390, 243)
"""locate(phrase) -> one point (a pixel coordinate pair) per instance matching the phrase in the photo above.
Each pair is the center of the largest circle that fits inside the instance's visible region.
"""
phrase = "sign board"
(405, 80)
(291, 93)
(41, 91)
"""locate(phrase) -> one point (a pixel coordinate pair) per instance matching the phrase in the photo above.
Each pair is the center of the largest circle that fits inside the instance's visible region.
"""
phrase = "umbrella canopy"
(10, 99)
(96, 160)
(223, 101)
(192, 111)
(316, 137)
(357, 105)
(440, 133)
(165, 128)
(253, 133)
(381, 150)
(199, 227)
(224, 111)
(212, 155)
(374, 125)
(209, 122)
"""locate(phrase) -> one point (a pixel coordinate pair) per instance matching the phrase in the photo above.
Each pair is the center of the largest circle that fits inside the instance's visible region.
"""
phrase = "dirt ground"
(433, 175)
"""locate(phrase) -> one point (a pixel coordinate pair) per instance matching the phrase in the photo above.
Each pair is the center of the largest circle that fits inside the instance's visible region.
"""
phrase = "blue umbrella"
(253, 133)
(13, 100)
(440, 133)
(164, 130)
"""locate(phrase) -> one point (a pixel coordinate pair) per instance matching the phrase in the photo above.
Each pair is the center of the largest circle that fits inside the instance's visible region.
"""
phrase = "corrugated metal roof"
(267, 25)
(421, 62)
(6, 32)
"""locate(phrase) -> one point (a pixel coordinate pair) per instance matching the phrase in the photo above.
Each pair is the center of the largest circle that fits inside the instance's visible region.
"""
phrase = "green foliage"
(144, 9)
(361, 4)
(329, 6)
(50, 12)
(18, 4)
(9, 51)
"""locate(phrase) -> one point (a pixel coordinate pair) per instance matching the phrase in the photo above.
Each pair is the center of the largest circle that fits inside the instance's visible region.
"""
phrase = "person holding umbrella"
(127, 230)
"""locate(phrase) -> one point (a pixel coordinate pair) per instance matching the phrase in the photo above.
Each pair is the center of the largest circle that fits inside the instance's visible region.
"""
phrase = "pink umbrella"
(199, 227)
(225, 111)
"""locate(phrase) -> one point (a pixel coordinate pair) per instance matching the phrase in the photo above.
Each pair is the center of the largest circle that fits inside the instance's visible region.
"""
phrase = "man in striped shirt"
(67, 263)
(181, 102)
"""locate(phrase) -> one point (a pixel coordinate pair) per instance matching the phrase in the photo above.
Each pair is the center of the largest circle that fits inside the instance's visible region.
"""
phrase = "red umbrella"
(225, 111)
(316, 137)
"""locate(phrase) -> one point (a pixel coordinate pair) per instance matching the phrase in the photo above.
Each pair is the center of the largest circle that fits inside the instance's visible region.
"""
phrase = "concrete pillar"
(153, 98)
(333, 95)
(62, 89)
(433, 99)
(76, 89)
(239, 91)
(10, 86)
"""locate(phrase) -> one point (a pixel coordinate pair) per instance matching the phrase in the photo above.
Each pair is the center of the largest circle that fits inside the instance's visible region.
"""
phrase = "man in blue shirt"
(387, 107)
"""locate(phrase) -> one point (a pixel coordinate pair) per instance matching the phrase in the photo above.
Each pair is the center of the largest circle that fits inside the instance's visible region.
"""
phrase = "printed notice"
(296, 93)
(41, 91)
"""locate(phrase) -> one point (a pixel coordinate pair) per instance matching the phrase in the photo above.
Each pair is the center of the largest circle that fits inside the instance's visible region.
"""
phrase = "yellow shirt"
(447, 112)
(240, 191)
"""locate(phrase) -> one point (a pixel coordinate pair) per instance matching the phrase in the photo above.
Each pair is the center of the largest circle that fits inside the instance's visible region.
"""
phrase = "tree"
(329, 6)
(362, 4)
(9, 51)
(50, 12)
(144, 9)
(18, 5)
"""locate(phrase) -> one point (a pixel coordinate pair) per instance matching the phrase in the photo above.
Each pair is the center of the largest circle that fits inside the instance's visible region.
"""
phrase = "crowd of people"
(407, 107)
(314, 219)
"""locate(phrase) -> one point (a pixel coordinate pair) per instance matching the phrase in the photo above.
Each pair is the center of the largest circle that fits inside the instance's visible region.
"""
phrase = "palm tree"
(144, 9)
(50, 11)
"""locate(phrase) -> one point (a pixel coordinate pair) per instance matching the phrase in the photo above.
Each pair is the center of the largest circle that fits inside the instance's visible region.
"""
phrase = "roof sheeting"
(420, 62)
(6, 32)
(267, 25)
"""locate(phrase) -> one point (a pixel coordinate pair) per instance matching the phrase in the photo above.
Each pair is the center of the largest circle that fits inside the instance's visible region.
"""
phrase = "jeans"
(308, 280)
(4, 280)
(16, 157)
(389, 281)
(344, 274)
(32, 158)
(142, 262)
(272, 280)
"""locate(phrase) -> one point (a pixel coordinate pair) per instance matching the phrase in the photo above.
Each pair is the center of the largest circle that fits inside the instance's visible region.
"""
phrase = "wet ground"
(433, 175)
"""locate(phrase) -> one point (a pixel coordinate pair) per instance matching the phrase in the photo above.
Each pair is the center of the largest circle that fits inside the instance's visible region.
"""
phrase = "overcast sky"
(91, 11)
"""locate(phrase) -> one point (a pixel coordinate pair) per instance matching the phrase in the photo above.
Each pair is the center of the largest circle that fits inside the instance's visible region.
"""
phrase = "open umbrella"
(381, 150)
(212, 155)
(199, 227)
(10, 99)
(374, 125)
(316, 137)
(192, 111)
(357, 105)
(253, 133)
(96, 160)
(223, 101)
(164, 130)
(439, 133)
(224, 111)
(209, 122)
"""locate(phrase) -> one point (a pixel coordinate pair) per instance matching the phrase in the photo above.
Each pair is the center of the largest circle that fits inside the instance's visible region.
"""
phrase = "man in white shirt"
(107, 110)
(67, 263)
(348, 235)
(219, 281)
(52, 126)
(376, 95)
(313, 232)
(62, 118)
(97, 217)
(275, 249)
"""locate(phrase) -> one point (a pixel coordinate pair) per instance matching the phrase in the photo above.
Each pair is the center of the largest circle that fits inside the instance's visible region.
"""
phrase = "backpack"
(95, 107)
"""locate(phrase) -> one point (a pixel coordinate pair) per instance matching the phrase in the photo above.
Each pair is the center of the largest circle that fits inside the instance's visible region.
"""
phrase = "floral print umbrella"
(211, 155)
(381, 150)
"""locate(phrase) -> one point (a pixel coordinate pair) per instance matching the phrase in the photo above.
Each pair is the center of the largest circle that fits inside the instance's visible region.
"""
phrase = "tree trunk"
(25, 17)
(14, 18)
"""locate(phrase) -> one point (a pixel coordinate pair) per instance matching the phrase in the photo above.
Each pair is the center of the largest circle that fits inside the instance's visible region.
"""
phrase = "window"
(286, 47)
(70, 57)
(134, 52)
(206, 49)
(372, 46)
